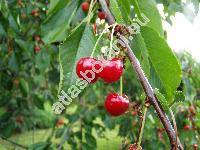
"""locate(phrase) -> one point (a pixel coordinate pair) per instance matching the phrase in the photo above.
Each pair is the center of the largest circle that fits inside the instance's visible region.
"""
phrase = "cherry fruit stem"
(121, 86)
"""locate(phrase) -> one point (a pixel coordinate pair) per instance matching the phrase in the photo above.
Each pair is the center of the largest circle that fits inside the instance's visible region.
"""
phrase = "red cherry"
(101, 15)
(186, 127)
(116, 105)
(195, 146)
(112, 70)
(131, 147)
(192, 110)
(134, 113)
(37, 38)
(20, 119)
(134, 147)
(35, 13)
(16, 82)
(85, 6)
(84, 69)
(60, 122)
(37, 48)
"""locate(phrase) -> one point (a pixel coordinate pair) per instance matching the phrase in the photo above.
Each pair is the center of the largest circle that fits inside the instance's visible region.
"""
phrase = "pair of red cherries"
(85, 7)
(110, 71)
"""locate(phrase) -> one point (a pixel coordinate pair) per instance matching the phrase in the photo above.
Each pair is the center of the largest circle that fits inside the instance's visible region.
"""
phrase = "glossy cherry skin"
(37, 48)
(186, 127)
(195, 146)
(112, 70)
(101, 15)
(37, 38)
(85, 64)
(116, 104)
(20, 119)
(85, 6)
(60, 122)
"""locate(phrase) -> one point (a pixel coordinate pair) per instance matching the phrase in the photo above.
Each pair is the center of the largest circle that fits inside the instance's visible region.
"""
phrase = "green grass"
(26, 139)
(113, 141)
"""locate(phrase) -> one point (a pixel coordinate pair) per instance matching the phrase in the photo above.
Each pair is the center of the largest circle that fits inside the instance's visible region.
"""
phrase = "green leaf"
(2, 31)
(161, 99)
(79, 44)
(43, 116)
(47, 107)
(155, 80)
(197, 120)
(90, 139)
(125, 10)
(141, 52)
(24, 86)
(5, 98)
(38, 100)
(42, 60)
(54, 28)
(115, 9)
(174, 7)
(4, 8)
(196, 6)
(25, 47)
(8, 129)
(86, 146)
(38, 146)
(78, 17)
(55, 5)
(179, 96)
(149, 9)
(163, 60)
(13, 22)
(13, 62)
(189, 89)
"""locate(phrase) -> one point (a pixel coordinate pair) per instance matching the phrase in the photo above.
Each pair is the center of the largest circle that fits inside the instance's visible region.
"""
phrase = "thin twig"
(90, 10)
(98, 40)
(142, 128)
(110, 19)
(65, 136)
(121, 86)
(14, 143)
(150, 94)
(175, 128)
(144, 82)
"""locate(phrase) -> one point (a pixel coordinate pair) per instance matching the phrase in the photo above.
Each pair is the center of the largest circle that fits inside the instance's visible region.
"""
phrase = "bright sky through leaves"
(184, 34)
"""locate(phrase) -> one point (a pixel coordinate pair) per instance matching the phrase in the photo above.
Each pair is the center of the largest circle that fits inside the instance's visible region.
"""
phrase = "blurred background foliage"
(30, 34)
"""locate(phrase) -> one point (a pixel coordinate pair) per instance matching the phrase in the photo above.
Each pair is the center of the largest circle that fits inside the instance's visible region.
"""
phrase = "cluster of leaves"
(188, 112)
(29, 72)
(30, 80)
(185, 7)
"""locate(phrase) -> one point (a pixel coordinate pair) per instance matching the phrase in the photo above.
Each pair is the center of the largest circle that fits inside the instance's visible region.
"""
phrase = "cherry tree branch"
(150, 94)
(145, 83)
